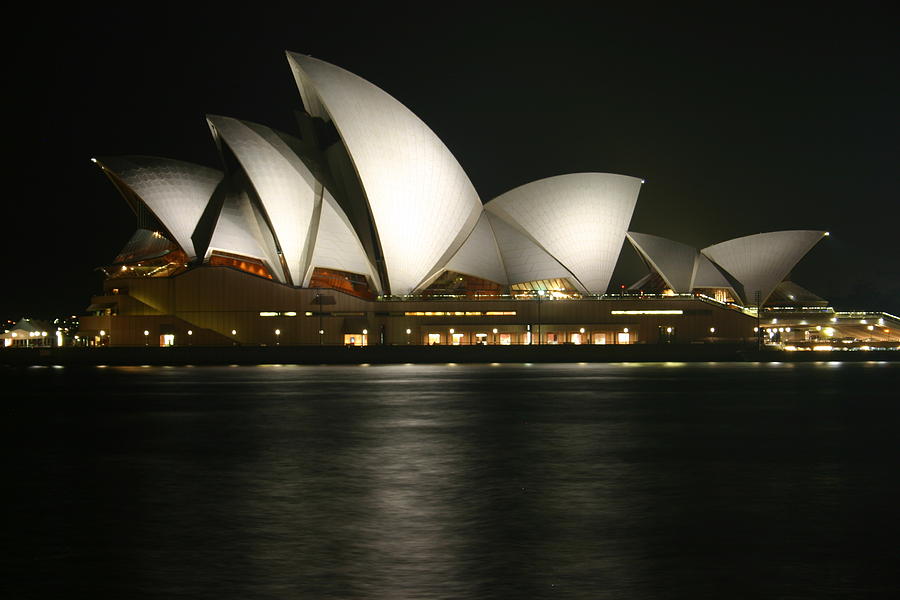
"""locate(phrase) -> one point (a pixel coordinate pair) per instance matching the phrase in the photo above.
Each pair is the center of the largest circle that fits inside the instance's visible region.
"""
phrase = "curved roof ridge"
(761, 261)
(674, 261)
(284, 185)
(578, 218)
(422, 202)
(176, 192)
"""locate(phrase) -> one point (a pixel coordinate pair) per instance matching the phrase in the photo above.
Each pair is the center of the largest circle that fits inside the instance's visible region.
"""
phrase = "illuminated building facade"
(364, 229)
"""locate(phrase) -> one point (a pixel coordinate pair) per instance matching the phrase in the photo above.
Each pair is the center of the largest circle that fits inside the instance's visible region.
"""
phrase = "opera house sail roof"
(365, 193)
(751, 267)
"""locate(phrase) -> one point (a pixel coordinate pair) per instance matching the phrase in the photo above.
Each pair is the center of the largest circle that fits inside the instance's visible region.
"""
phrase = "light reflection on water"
(455, 481)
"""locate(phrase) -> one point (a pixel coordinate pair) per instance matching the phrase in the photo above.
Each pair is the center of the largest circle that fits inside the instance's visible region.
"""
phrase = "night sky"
(740, 122)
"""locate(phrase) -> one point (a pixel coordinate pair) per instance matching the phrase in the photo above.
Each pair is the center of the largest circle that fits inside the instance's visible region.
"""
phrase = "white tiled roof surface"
(283, 183)
(423, 203)
(580, 219)
(175, 191)
(523, 259)
(336, 244)
(479, 255)
(761, 261)
(673, 260)
(241, 230)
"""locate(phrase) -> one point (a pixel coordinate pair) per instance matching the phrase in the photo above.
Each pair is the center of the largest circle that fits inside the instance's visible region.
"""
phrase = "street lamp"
(146, 338)
(408, 331)
(277, 333)
(494, 331)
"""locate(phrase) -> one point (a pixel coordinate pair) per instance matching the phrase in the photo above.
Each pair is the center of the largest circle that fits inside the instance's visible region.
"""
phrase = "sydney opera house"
(362, 228)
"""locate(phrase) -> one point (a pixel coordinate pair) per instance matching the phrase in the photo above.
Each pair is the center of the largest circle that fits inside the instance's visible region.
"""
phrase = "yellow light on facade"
(15, 334)
(43, 334)
(646, 312)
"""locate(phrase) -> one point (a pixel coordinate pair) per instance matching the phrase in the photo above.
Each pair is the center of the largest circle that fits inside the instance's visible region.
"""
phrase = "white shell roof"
(284, 185)
(761, 261)
(673, 260)
(707, 275)
(421, 200)
(523, 259)
(176, 192)
(336, 244)
(479, 255)
(240, 229)
(580, 219)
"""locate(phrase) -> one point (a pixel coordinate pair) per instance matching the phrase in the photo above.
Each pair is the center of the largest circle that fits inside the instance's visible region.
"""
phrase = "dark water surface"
(503, 481)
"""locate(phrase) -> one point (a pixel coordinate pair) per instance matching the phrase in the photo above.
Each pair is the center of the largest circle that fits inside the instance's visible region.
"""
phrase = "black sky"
(746, 120)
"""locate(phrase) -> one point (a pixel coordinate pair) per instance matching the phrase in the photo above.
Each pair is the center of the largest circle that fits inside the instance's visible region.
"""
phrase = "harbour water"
(642, 480)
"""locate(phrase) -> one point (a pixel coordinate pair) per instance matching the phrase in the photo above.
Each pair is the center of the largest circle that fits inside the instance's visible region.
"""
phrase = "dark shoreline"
(341, 355)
